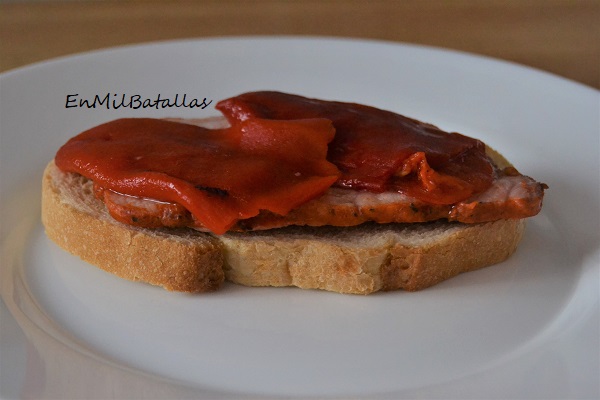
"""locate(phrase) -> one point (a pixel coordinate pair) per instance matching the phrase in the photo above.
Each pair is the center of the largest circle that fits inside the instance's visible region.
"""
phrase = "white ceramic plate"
(526, 328)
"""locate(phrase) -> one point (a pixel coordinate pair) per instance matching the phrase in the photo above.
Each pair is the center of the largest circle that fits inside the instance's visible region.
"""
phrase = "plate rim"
(291, 37)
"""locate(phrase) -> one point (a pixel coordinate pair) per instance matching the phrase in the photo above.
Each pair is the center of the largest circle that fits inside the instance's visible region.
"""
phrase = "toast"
(283, 190)
(360, 260)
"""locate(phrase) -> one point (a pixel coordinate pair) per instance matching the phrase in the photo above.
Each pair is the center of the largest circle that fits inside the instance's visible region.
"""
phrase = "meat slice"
(143, 212)
(509, 197)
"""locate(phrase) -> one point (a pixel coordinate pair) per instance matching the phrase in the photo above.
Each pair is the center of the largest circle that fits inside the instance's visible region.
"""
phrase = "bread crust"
(359, 260)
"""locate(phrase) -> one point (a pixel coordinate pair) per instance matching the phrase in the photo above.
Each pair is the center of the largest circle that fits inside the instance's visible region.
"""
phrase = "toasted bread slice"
(361, 259)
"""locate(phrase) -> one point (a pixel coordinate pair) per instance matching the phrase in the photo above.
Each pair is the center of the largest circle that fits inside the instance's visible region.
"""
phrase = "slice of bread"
(360, 260)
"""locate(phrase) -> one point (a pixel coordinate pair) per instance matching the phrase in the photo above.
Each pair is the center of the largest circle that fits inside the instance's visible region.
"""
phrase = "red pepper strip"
(220, 176)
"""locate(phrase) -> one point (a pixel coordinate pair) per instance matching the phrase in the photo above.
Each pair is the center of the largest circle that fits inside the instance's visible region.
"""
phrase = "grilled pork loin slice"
(510, 197)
